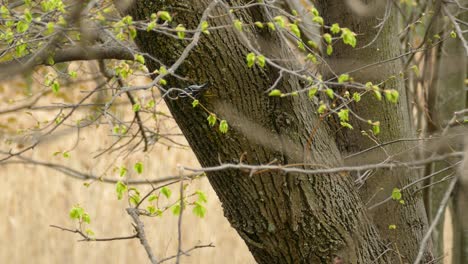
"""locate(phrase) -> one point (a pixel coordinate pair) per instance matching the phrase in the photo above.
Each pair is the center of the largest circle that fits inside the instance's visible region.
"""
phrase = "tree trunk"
(283, 218)
(450, 96)
(409, 219)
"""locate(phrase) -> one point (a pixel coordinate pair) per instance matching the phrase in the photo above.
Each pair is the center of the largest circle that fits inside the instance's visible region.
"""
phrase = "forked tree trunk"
(283, 218)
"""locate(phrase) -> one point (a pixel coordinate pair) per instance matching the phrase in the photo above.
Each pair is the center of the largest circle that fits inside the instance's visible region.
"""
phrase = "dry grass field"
(33, 198)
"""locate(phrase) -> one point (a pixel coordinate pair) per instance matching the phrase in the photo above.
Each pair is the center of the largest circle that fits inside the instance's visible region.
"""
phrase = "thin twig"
(88, 238)
(179, 223)
(440, 211)
(186, 252)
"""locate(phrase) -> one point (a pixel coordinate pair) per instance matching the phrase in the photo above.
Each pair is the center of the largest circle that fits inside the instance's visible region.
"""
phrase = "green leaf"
(311, 57)
(86, 218)
(151, 26)
(73, 74)
(295, 30)
(343, 114)
(50, 60)
(135, 199)
(415, 69)
(328, 38)
(164, 15)
(356, 97)
(76, 212)
(396, 194)
(318, 19)
(132, 32)
(329, 50)
(347, 125)
(50, 28)
(162, 70)
(312, 44)
(21, 49)
(27, 15)
(123, 171)
(376, 128)
(392, 227)
(349, 37)
(176, 209)
(279, 21)
(312, 92)
(127, 20)
(138, 167)
(211, 119)
(330, 93)
(55, 86)
(199, 210)
(250, 59)
(150, 104)
(300, 45)
(322, 108)
(151, 209)
(275, 92)
(453, 34)
(166, 192)
(89, 232)
(259, 24)
(195, 103)
(261, 61)
(139, 58)
(180, 31)
(223, 126)
(120, 188)
(378, 95)
(204, 27)
(314, 11)
(66, 154)
(271, 26)
(136, 107)
(392, 95)
(152, 197)
(238, 24)
(343, 78)
(22, 26)
(201, 196)
(5, 13)
(335, 28)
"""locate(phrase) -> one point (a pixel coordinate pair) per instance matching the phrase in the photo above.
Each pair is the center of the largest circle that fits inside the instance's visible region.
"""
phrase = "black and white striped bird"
(194, 90)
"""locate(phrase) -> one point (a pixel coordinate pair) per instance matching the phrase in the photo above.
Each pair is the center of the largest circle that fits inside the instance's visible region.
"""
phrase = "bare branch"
(140, 228)
(67, 54)
(90, 239)
(440, 211)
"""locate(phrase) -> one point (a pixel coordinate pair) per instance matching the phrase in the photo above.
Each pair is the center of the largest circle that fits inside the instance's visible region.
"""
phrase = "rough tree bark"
(410, 219)
(283, 218)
